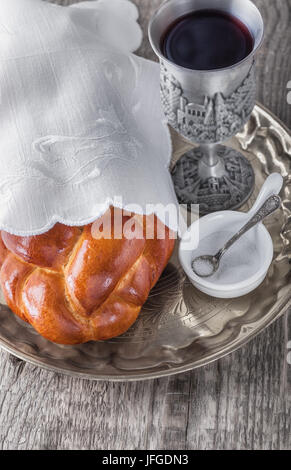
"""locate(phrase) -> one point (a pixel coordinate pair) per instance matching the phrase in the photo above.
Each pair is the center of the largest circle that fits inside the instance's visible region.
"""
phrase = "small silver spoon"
(206, 266)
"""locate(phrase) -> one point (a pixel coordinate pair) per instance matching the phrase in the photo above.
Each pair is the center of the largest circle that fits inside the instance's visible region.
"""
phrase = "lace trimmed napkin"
(81, 121)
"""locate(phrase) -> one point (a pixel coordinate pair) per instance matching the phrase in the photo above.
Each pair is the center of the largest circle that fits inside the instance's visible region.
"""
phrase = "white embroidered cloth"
(81, 121)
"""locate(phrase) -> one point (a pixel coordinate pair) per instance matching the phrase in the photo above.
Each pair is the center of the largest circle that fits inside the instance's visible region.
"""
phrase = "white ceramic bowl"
(256, 251)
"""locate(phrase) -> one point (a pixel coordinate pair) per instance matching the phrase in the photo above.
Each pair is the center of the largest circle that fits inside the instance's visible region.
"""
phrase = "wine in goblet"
(207, 53)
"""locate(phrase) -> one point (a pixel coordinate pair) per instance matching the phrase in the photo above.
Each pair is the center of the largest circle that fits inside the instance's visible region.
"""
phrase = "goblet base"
(224, 185)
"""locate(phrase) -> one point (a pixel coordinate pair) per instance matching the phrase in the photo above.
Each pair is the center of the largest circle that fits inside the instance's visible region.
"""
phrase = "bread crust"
(74, 286)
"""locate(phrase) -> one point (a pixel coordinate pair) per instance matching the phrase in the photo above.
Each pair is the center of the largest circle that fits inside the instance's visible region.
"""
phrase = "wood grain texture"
(241, 402)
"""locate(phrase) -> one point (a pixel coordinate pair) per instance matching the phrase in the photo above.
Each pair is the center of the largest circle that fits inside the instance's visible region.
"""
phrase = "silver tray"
(180, 328)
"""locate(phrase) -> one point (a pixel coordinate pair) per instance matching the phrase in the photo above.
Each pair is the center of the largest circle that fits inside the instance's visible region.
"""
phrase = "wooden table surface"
(241, 402)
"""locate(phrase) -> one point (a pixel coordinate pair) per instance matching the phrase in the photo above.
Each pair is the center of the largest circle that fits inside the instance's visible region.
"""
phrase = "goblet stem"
(210, 157)
(211, 165)
(213, 176)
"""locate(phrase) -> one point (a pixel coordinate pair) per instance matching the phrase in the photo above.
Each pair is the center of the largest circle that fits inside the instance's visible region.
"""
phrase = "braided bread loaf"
(74, 286)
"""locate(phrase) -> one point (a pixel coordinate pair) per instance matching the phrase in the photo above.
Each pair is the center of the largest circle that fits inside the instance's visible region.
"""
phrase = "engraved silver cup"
(207, 108)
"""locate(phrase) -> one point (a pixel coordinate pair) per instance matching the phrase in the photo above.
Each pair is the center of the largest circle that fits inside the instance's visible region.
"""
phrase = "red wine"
(207, 40)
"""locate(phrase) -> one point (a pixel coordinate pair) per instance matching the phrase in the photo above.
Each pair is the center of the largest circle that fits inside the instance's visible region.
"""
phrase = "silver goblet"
(207, 108)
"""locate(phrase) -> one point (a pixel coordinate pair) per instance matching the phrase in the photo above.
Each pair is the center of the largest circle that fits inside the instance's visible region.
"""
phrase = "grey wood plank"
(241, 402)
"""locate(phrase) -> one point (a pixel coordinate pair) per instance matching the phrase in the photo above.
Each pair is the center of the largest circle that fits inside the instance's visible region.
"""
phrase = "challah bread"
(74, 286)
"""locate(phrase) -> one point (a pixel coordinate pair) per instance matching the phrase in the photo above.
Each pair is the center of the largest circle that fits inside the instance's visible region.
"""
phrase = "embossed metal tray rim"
(141, 377)
(248, 331)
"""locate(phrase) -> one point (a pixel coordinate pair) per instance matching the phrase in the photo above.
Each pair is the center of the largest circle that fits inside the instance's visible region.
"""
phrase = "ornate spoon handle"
(271, 205)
